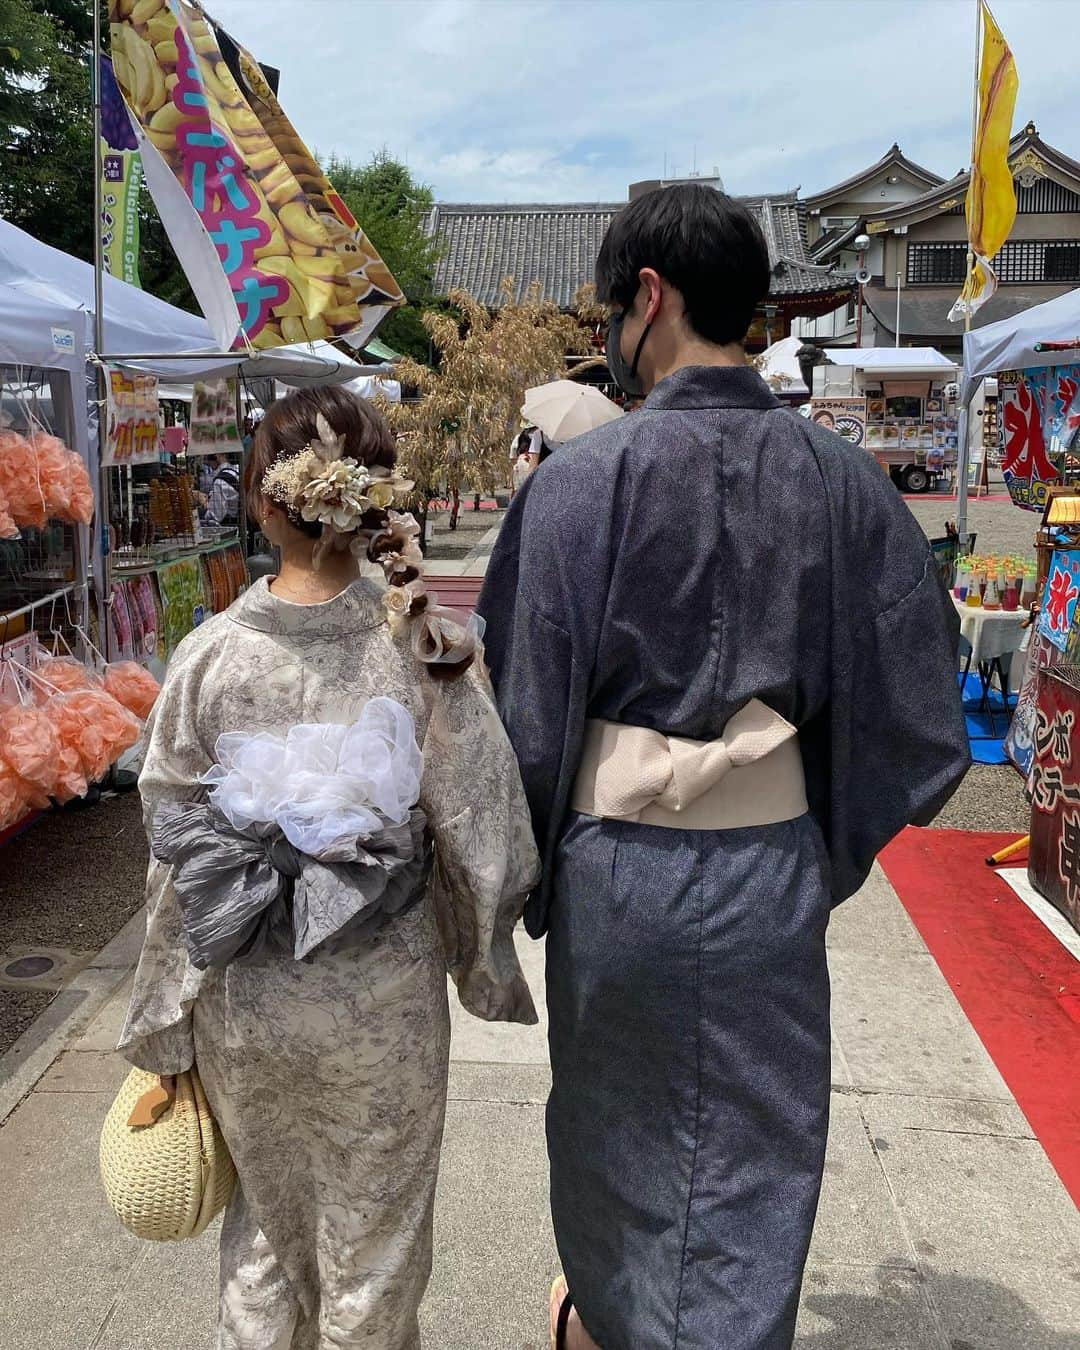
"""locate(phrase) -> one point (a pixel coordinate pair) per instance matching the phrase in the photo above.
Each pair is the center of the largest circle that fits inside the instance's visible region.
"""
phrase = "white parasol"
(563, 409)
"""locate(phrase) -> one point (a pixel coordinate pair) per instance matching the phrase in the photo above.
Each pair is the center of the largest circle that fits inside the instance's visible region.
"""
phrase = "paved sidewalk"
(942, 1224)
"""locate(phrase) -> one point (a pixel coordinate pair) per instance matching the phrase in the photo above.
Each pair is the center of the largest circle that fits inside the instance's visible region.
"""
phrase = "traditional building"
(834, 220)
(556, 246)
(918, 253)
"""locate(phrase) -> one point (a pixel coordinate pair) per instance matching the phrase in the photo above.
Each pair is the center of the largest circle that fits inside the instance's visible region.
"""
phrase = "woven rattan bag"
(165, 1166)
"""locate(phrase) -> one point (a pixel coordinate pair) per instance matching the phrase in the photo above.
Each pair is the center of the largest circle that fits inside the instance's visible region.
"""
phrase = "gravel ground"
(71, 881)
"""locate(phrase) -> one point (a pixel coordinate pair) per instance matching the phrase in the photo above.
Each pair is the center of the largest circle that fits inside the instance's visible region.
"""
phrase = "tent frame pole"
(104, 514)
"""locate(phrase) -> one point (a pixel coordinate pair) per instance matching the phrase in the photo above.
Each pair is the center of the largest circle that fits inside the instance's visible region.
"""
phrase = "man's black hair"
(702, 242)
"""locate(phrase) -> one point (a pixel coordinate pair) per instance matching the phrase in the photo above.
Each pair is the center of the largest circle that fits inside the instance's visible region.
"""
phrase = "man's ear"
(654, 292)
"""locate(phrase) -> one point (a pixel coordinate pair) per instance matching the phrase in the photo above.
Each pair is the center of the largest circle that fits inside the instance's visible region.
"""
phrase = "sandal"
(561, 1321)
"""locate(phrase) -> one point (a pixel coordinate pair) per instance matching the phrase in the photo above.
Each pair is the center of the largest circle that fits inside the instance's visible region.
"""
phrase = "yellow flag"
(991, 197)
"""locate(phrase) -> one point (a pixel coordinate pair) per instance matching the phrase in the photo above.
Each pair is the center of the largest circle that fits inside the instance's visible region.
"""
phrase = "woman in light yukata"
(313, 879)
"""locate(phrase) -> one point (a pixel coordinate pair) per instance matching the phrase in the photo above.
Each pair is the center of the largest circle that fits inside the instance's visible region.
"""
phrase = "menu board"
(922, 426)
(845, 416)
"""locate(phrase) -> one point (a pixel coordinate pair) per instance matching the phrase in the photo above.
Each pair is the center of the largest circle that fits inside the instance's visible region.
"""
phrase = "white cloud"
(515, 100)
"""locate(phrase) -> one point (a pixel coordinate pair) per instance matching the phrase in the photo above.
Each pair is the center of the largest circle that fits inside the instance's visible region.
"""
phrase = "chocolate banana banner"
(271, 251)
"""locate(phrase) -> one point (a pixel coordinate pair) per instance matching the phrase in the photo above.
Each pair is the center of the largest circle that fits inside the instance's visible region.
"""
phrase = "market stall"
(1036, 360)
(899, 404)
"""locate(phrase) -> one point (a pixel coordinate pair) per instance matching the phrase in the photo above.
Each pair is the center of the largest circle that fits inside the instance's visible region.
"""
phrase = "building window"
(851, 305)
(1061, 262)
(1021, 260)
(936, 264)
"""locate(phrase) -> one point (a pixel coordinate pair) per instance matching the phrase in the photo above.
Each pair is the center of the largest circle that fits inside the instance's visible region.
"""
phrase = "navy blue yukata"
(706, 550)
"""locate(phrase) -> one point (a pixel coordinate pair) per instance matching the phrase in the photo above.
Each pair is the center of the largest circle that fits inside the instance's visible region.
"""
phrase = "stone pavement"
(942, 1224)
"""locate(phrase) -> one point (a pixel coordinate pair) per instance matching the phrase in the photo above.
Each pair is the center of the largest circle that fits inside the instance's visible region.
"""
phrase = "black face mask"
(625, 376)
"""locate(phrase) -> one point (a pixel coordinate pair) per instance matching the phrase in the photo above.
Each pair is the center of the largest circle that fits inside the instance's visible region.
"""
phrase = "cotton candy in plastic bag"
(96, 727)
(64, 675)
(8, 528)
(30, 748)
(19, 481)
(132, 686)
(54, 474)
(82, 491)
(14, 804)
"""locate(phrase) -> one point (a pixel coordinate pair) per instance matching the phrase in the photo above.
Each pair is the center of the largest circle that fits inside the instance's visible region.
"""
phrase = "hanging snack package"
(132, 686)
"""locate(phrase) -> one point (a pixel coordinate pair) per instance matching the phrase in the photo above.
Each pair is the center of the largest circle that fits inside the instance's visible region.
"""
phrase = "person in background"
(523, 466)
(727, 665)
(222, 502)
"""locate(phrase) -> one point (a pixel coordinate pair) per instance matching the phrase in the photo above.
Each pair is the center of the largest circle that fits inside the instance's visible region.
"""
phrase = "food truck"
(900, 404)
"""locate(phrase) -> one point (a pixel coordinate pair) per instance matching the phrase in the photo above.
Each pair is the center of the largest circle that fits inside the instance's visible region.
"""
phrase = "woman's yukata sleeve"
(157, 1034)
(485, 855)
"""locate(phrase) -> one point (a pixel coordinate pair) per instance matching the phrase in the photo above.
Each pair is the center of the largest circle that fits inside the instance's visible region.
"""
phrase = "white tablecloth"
(991, 632)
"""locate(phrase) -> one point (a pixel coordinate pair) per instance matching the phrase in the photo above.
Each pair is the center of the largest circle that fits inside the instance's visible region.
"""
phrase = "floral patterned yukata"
(328, 1074)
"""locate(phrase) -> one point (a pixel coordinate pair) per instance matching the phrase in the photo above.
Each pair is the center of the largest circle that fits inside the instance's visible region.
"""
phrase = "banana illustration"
(269, 336)
(161, 28)
(325, 266)
(300, 222)
(292, 330)
(317, 328)
(143, 10)
(167, 53)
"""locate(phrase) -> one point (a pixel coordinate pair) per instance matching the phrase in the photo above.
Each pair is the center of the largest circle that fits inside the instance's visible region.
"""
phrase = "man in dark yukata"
(728, 667)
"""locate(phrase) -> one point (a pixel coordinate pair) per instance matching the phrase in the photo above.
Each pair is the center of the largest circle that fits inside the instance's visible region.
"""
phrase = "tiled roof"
(557, 246)
(894, 158)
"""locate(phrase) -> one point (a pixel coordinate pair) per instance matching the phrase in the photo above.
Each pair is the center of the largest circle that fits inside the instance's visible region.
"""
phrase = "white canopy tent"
(912, 361)
(1011, 344)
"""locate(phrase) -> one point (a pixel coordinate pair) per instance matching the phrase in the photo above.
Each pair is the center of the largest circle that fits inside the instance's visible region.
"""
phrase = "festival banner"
(990, 208)
(1060, 598)
(1040, 424)
(270, 250)
(131, 428)
(121, 172)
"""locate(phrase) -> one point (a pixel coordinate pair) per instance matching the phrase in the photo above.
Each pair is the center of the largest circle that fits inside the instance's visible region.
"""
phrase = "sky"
(573, 100)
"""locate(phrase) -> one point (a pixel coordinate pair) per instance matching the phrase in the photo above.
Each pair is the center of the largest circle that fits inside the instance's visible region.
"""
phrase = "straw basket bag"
(165, 1166)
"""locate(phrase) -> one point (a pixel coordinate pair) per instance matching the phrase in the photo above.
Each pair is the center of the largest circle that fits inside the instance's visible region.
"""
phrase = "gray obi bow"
(236, 888)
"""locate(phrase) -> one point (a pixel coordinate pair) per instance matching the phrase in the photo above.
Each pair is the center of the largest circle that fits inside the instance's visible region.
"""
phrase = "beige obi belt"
(752, 775)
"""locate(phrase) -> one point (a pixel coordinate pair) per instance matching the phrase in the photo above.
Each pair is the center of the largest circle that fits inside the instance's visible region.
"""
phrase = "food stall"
(898, 403)
(1036, 360)
(103, 564)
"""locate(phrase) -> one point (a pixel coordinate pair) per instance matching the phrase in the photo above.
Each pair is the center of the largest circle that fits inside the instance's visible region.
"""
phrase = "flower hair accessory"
(434, 633)
(323, 485)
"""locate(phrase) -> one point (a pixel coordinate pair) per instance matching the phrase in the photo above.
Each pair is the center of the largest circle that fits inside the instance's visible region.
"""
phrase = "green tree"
(390, 206)
(46, 124)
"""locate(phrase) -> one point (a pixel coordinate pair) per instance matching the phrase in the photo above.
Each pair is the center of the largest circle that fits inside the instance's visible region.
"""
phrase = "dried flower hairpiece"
(321, 484)
(324, 486)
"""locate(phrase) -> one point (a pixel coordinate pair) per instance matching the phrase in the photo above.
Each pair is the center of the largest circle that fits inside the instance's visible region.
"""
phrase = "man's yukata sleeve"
(542, 690)
(895, 737)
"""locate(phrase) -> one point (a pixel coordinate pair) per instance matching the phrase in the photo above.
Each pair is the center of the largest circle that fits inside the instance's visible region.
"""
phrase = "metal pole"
(964, 455)
(898, 275)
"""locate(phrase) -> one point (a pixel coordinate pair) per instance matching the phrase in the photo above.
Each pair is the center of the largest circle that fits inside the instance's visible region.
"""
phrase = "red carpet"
(1017, 984)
